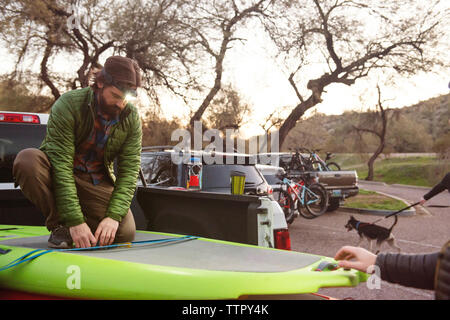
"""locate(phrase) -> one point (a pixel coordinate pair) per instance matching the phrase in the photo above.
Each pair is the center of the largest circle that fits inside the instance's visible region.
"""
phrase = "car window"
(13, 138)
(147, 163)
(156, 167)
(285, 161)
(218, 176)
(272, 179)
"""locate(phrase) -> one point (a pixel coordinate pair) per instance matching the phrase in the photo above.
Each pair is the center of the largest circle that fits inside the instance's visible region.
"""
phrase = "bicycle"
(331, 165)
(315, 163)
(297, 163)
(293, 195)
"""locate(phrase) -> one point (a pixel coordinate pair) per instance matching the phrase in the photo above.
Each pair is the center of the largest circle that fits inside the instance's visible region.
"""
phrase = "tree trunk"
(372, 159)
(217, 81)
(44, 71)
(199, 113)
(298, 112)
(227, 26)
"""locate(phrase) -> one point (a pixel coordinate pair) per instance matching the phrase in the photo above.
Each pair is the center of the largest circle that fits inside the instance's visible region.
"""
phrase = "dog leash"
(396, 212)
(437, 206)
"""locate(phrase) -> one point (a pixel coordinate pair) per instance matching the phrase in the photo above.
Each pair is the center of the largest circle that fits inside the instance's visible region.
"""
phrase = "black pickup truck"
(18, 131)
(170, 203)
(163, 203)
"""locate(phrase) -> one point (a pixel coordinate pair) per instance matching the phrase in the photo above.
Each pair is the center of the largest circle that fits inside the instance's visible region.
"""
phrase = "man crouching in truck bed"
(70, 177)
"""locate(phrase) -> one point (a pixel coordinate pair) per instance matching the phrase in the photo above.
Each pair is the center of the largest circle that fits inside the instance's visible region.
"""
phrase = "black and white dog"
(373, 232)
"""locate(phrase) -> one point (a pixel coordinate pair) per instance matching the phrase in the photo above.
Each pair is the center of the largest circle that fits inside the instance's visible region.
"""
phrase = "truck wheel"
(333, 205)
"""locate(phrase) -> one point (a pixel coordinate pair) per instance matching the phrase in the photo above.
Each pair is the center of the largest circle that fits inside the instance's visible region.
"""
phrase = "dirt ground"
(424, 232)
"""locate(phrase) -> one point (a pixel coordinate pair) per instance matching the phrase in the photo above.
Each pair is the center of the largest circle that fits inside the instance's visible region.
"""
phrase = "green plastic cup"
(237, 182)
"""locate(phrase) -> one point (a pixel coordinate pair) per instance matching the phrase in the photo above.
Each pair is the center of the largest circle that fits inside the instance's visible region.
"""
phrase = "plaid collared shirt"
(89, 155)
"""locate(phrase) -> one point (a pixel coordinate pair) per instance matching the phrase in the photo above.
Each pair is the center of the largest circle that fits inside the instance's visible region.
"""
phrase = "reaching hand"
(82, 236)
(363, 259)
(106, 231)
(421, 202)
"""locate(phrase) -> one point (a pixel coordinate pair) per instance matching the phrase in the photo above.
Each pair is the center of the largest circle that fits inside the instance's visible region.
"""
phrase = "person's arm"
(59, 147)
(412, 270)
(441, 186)
(129, 161)
(128, 164)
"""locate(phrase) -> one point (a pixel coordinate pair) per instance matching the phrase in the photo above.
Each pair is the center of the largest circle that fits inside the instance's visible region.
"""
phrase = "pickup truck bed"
(243, 218)
(339, 183)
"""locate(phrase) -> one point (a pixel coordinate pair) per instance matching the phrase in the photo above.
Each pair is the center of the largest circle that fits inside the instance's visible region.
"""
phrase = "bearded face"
(111, 99)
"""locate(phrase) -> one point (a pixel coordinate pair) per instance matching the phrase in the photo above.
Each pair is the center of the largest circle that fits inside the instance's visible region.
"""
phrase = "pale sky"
(250, 67)
(267, 87)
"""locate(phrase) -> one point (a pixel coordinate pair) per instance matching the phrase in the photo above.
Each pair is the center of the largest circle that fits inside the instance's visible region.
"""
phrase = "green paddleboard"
(187, 269)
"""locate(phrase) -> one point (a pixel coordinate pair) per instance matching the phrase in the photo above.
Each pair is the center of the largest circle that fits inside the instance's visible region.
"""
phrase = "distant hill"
(434, 114)
(414, 128)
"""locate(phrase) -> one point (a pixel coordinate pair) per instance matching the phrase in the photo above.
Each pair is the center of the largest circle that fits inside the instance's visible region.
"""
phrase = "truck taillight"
(282, 239)
(19, 118)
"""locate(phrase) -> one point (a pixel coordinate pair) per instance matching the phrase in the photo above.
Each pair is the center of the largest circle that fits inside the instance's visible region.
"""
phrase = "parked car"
(339, 184)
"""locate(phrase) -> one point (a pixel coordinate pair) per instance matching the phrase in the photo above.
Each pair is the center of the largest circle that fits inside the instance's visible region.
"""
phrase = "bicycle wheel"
(164, 175)
(316, 199)
(333, 166)
(305, 214)
(288, 205)
(297, 166)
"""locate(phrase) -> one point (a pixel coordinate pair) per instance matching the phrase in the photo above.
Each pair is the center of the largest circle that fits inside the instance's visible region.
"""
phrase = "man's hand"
(422, 201)
(106, 231)
(82, 236)
(363, 258)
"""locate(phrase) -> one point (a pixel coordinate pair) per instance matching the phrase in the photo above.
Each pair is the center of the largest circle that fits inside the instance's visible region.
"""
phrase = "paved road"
(424, 232)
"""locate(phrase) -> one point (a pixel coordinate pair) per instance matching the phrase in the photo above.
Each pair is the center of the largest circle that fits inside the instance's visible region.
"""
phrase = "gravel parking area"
(424, 232)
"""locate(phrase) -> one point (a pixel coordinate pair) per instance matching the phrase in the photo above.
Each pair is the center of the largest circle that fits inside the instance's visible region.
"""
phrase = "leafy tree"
(442, 146)
(154, 33)
(43, 29)
(157, 131)
(340, 41)
(310, 134)
(375, 123)
(15, 96)
(215, 25)
(408, 135)
(227, 110)
(179, 44)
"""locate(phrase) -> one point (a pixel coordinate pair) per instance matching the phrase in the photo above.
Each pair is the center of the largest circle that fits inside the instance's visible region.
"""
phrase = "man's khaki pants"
(32, 171)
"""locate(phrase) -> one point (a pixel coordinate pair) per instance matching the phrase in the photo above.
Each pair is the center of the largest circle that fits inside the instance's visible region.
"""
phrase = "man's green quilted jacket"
(71, 121)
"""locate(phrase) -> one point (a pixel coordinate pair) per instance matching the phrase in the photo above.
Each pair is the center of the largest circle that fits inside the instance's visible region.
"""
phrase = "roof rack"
(239, 158)
(156, 148)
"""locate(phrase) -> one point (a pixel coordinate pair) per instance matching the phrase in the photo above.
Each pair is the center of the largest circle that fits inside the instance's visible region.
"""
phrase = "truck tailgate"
(338, 178)
(206, 214)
